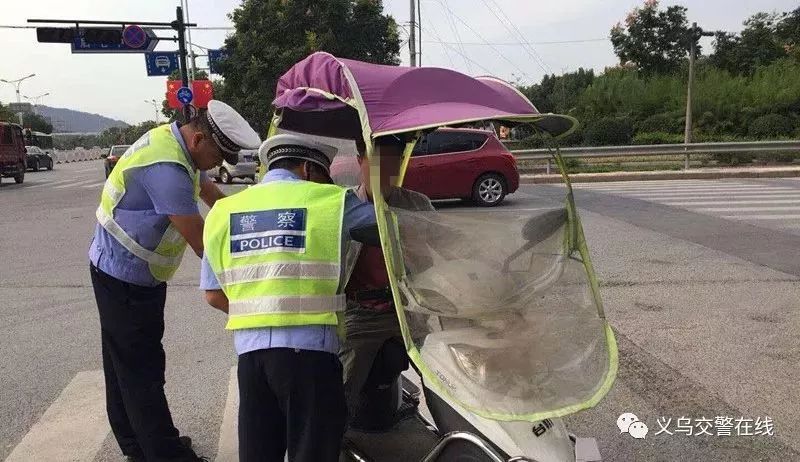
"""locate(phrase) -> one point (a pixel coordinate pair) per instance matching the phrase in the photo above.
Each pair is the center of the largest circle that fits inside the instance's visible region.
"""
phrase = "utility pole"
(412, 43)
(419, 37)
(16, 84)
(694, 35)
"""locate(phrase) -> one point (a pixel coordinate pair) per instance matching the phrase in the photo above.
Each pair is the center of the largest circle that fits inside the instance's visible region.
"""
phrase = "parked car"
(452, 163)
(245, 168)
(13, 160)
(38, 158)
(113, 155)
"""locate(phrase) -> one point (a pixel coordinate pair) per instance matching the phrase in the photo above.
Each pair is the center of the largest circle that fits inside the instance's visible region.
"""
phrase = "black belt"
(384, 294)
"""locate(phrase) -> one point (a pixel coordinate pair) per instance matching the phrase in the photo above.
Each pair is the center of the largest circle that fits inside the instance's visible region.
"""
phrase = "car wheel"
(50, 164)
(35, 166)
(225, 177)
(20, 176)
(489, 190)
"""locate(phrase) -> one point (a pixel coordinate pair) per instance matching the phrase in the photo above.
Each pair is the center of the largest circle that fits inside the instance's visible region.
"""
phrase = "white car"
(246, 168)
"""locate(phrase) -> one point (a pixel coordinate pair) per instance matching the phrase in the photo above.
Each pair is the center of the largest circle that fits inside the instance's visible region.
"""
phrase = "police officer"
(273, 262)
(148, 212)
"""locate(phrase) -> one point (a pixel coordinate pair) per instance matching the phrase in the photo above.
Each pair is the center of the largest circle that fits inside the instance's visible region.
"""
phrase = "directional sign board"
(82, 44)
(185, 95)
(214, 57)
(161, 62)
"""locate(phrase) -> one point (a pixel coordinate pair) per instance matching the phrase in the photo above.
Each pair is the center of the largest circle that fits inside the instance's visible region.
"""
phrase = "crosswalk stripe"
(94, 185)
(228, 447)
(694, 190)
(762, 217)
(669, 187)
(72, 185)
(50, 183)
(749, 209)
(709, 194)
(725, 200)
(73, 428)
(695, 197)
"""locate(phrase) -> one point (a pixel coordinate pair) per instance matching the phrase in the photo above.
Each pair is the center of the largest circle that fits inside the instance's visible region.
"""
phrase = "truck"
(13, 159)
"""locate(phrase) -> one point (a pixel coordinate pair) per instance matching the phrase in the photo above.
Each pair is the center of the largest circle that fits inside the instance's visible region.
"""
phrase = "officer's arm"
(191, 228)
(217, 299)
(209, 192)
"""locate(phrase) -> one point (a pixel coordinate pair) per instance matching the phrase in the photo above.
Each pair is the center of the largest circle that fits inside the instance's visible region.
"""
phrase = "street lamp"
(17, 83)
(37, 100)
(156, 106)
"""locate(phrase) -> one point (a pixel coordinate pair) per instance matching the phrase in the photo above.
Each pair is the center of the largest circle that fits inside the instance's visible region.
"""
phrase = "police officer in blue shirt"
(290, 378)
(147, 215)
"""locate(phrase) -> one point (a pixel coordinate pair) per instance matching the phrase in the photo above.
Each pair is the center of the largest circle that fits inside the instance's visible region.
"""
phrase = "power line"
(453, 28)
(531, 51)
(436, 34)
(487, 42)
(556, 42)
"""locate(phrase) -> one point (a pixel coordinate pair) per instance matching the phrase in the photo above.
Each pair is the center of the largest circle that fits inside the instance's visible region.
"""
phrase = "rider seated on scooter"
(373, 354)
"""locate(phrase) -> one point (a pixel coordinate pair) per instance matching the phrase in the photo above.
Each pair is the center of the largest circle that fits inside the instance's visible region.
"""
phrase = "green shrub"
(657, 138)
(608, 131)
(771, 126)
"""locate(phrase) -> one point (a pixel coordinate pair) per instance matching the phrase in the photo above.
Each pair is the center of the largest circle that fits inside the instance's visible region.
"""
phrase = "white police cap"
(292, 146)
(230, 131)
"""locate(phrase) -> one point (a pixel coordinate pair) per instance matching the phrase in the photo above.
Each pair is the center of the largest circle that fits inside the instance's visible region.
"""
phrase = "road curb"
(664, 175)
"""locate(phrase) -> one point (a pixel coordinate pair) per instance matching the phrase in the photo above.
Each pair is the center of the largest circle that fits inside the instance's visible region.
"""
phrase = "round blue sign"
(184, 95)
(134, 36)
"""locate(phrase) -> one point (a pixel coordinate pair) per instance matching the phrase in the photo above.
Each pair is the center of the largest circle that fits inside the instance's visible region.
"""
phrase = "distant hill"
(71, 121)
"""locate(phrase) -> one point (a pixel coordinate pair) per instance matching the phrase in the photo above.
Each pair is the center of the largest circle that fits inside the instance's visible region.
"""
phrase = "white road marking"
(73, 428)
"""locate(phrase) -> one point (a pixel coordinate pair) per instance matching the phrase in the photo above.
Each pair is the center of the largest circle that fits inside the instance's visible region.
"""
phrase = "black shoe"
(185, 440)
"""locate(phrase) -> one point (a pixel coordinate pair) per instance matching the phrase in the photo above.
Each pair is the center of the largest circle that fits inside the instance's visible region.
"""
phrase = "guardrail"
(661, 150)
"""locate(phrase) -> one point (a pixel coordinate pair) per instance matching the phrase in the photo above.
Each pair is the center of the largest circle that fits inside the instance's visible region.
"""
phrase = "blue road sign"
(214, 57)
(184, 95)
(161, 62)
(79, 45)
(134, 36)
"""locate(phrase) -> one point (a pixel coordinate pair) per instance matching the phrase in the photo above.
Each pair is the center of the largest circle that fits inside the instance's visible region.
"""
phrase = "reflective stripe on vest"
(276, 251)
(156, 146)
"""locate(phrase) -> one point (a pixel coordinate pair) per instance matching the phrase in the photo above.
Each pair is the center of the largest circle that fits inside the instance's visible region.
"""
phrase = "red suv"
(452, 163)
(13, 159)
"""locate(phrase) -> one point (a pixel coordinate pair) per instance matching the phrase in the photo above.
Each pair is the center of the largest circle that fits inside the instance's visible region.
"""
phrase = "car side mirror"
(103, 156)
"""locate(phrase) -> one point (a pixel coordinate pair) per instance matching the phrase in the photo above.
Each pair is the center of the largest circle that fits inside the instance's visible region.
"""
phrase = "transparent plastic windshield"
(499, 307)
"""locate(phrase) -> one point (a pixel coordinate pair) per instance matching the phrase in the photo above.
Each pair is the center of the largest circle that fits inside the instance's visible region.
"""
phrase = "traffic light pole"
(180, 26)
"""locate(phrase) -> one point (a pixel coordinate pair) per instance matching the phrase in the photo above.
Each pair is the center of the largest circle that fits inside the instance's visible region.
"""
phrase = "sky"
(455, 34)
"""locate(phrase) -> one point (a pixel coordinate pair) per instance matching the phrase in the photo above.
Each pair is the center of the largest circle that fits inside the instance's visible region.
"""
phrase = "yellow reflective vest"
(276, 251)
(157, 145)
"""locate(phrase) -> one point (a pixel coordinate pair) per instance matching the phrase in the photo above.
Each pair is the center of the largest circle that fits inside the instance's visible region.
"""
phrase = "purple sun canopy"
(320, 96)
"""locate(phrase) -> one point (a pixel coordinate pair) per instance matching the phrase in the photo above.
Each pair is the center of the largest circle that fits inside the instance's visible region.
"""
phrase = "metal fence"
(653, 150)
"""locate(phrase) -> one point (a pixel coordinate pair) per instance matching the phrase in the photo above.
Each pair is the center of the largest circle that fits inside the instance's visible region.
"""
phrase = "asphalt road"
(699, 280)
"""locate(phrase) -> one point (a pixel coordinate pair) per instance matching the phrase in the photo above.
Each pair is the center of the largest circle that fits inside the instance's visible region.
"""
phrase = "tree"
(5, 114)
(272, 35)
(655, 40)
(36, 123)
(766, 38)
(559, 93)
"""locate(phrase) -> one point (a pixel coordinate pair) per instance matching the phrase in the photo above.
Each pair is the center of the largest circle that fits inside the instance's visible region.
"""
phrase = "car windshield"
(118, 150)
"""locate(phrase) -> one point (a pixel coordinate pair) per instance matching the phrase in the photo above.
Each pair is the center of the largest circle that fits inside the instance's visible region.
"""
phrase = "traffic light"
(55, 34)
(102, 35)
